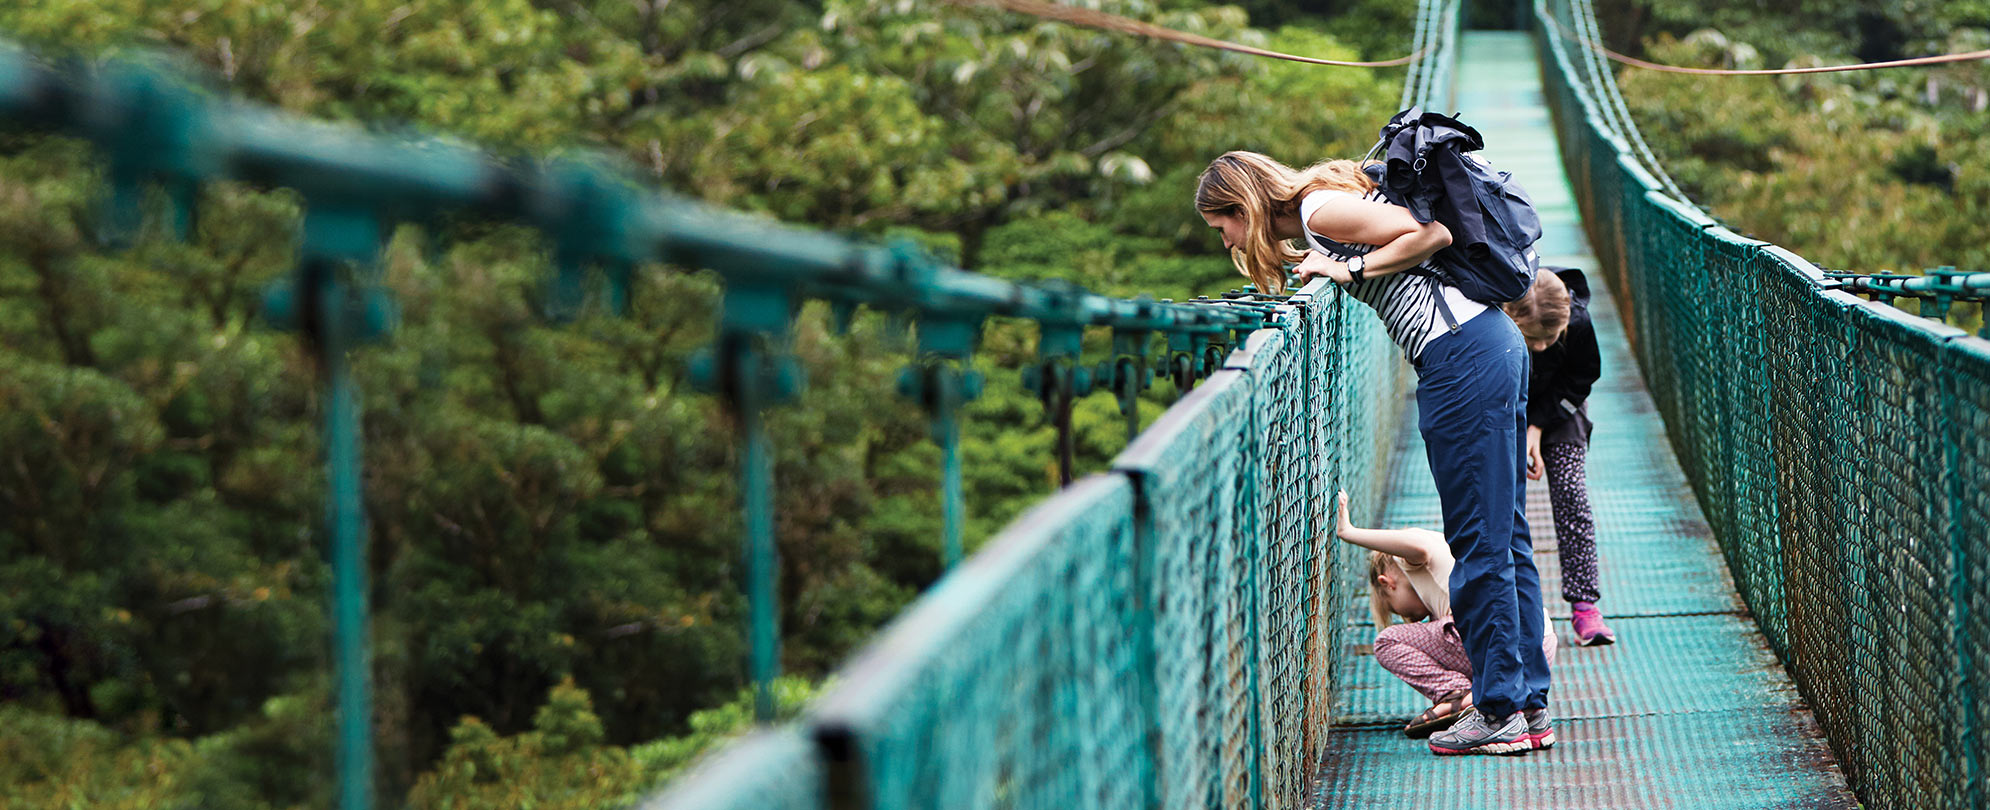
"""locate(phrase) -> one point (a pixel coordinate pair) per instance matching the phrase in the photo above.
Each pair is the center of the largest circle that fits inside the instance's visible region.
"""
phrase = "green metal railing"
(1167, 634)
(152, 128)
(1840, 450)
(1163, 635)
(1938, 290)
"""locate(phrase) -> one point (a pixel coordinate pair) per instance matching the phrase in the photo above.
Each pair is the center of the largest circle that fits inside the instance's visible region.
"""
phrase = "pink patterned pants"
(1430, 658)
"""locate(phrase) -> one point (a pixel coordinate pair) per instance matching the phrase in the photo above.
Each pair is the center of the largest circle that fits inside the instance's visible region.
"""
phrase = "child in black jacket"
(1554, 319)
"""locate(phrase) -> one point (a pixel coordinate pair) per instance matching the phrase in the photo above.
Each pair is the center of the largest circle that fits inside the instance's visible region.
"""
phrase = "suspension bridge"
(1788, 481)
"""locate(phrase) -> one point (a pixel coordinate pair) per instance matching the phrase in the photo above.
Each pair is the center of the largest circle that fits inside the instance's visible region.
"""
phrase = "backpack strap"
(1337, 247)
(1444, 309)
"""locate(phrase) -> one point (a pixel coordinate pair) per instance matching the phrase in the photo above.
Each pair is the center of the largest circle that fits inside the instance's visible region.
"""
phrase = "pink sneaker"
(1590, 631)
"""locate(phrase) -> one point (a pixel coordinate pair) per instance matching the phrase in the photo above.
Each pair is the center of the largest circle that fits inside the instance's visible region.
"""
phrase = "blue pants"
(1472, 398)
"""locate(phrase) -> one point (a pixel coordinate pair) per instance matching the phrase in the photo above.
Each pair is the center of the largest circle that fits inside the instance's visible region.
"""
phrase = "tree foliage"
(1866, 171)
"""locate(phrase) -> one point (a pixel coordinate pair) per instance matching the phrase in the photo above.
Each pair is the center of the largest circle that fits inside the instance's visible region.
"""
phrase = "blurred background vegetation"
(554, 521)
(1866, 171)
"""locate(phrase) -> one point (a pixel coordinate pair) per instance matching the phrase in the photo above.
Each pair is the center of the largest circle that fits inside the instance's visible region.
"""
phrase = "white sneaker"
(1475, 734)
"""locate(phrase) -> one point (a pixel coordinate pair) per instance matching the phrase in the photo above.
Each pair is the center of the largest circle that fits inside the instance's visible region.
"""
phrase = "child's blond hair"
(1379, 563)
(1543, 312)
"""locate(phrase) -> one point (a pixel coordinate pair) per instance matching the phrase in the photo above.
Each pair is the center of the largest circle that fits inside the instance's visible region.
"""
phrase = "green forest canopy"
(1864, 171)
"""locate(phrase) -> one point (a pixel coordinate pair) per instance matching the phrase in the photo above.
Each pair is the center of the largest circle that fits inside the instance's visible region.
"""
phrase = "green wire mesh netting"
(1164, 635)
(1840, 448)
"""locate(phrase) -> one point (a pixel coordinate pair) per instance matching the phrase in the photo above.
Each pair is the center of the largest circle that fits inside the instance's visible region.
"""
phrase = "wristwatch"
(1354, 267)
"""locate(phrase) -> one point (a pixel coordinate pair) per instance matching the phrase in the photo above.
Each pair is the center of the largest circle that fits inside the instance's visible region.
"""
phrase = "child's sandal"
(1440, 715)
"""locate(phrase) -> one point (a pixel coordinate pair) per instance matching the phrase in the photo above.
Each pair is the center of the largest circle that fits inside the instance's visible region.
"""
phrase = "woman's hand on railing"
(1317, 264)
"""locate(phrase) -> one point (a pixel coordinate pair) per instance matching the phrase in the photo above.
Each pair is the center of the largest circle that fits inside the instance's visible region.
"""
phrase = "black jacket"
(1558, 389)
(1423, 169)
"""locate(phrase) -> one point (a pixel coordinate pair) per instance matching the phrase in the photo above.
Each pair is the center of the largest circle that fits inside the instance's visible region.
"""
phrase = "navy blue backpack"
(1424, 166)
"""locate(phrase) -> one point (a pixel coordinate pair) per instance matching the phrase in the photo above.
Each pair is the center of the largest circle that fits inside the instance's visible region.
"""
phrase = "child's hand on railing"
(1344, 524)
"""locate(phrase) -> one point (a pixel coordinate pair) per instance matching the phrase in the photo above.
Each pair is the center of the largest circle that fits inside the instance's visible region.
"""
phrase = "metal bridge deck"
(1690, 708)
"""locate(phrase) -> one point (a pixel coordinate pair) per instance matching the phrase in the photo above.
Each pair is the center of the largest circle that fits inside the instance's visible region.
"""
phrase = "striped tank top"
(1406, 301)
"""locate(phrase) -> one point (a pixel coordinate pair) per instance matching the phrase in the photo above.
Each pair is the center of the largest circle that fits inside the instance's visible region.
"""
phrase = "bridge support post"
(1128, 372)
(1057, 379)
(750, 370)
(1186, 359)
(941, 382)
(336, 302)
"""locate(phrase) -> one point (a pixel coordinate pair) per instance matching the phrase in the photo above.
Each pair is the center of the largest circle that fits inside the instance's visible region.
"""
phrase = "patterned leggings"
(1429, 656)
(1575, 526)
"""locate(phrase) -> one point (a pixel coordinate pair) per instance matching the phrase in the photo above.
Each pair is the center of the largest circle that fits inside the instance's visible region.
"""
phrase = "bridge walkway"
(1690, 708)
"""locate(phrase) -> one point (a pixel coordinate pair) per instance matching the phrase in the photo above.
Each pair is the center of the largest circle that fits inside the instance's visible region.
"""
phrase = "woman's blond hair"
(1543, 311)
(1261, 190)
(1379, 563)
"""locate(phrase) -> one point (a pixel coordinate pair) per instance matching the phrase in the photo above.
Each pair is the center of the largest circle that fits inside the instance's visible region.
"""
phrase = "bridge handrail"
(154, 126)
(1168, 634)
(1937, 289)
(1840, 449)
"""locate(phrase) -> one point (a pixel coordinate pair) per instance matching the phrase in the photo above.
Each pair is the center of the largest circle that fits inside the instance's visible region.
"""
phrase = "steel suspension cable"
(1613, 98)
(1419, 39)
(1438, 20)
(1918, 61)
(1072, 15)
